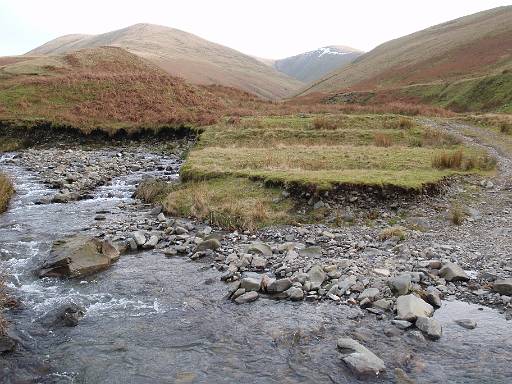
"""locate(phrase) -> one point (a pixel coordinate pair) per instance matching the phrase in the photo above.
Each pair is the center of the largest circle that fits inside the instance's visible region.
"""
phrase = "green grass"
(6, 192)
(234, 175)
(291, 151)
(489, 93)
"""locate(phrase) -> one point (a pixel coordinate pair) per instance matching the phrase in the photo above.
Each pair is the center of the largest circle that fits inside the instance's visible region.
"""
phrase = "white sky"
(265, 28)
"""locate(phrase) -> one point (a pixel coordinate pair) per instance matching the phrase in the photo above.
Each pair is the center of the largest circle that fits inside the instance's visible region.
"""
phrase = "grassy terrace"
(257, 156)
(324, 152)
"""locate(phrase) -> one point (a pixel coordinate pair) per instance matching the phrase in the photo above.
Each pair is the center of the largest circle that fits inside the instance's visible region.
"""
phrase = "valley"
(173, 210)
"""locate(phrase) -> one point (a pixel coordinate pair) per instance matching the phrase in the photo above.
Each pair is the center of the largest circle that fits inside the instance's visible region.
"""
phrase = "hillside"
(470, 46)
(107, 88)
(185, 55)
(313, 65)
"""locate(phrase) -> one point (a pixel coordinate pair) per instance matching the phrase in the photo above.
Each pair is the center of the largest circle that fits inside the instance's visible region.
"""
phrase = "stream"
(152, 319)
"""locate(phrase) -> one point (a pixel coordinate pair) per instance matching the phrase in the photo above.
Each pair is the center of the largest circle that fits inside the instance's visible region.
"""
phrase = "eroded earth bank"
(160, 299)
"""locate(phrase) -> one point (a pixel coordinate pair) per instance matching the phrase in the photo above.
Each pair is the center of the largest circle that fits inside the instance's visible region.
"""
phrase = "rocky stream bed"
(175, 300)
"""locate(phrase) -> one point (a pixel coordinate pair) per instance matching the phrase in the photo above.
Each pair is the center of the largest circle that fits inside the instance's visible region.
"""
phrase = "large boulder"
(359, 358)
(410, 307)
(66, 315)
(78, 256)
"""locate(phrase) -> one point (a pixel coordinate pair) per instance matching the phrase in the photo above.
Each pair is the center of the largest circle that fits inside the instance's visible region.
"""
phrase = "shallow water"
(151, 319)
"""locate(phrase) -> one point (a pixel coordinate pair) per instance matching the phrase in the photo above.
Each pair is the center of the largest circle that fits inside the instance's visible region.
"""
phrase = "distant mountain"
(471, 46)
(185, 55)
(313, 65)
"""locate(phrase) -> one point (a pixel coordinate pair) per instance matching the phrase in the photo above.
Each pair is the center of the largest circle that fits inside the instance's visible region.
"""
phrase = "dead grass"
(231, 203)
(382, 140)
(152, 190)
(6, 192)
(458, 160)
(457, 214)
(395, 231)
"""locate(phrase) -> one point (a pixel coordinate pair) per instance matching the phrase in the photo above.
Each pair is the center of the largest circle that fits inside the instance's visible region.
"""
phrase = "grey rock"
(433, 296)
(250, 284)
(151, 243)
(277, 286)
(369, 293)
(503, 287)
(360, 360)
(430, 327)
(410, 307)
(311, 252)
(260, 248)
(401, 324)
(295, 293)
(316, 276)
(345, 284)
(139, 238)
(212, 244)
(466, 323)
(453, 272)
(400, 285)
(258, 262)
(247, 297)
(78, 256)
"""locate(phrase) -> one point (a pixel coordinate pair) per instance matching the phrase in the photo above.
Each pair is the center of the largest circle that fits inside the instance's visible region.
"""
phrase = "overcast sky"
(265, 28)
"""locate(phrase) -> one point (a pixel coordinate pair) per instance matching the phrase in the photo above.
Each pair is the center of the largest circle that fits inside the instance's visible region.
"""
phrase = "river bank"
(162, 313)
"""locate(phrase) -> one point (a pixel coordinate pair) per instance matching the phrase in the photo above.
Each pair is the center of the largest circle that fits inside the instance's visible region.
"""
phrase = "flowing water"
(151, 319)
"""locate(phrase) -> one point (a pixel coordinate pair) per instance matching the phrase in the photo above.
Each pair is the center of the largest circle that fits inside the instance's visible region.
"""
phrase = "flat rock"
(247, 297)
(466, 323)
(360, 359)
(78, 256)
(453, 272)
(410, 307)
(212, 244)
(311, 252)
(369, 293)
(260, 249)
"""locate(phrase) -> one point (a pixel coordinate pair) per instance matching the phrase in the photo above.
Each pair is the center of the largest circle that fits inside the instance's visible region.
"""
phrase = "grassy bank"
(6, 192)
(258, 157)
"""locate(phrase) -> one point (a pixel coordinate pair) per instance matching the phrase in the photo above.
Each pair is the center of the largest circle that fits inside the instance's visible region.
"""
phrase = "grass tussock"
(321, 122)
(230, 203)
(457, 214)
(152, 190)
(458, 160)
(6, 192)
(383, 140)
(395, 231)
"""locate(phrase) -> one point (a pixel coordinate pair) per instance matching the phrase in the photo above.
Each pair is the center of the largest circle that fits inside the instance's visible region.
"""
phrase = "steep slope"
(185, 55)
(470, 46)
(313, 65)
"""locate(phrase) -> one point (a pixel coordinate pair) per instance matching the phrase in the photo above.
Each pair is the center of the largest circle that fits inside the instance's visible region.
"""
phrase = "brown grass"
(152, 190)
(6, 191)
(458, 160)
(322, 122)
(382, 140)
(388, 233)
